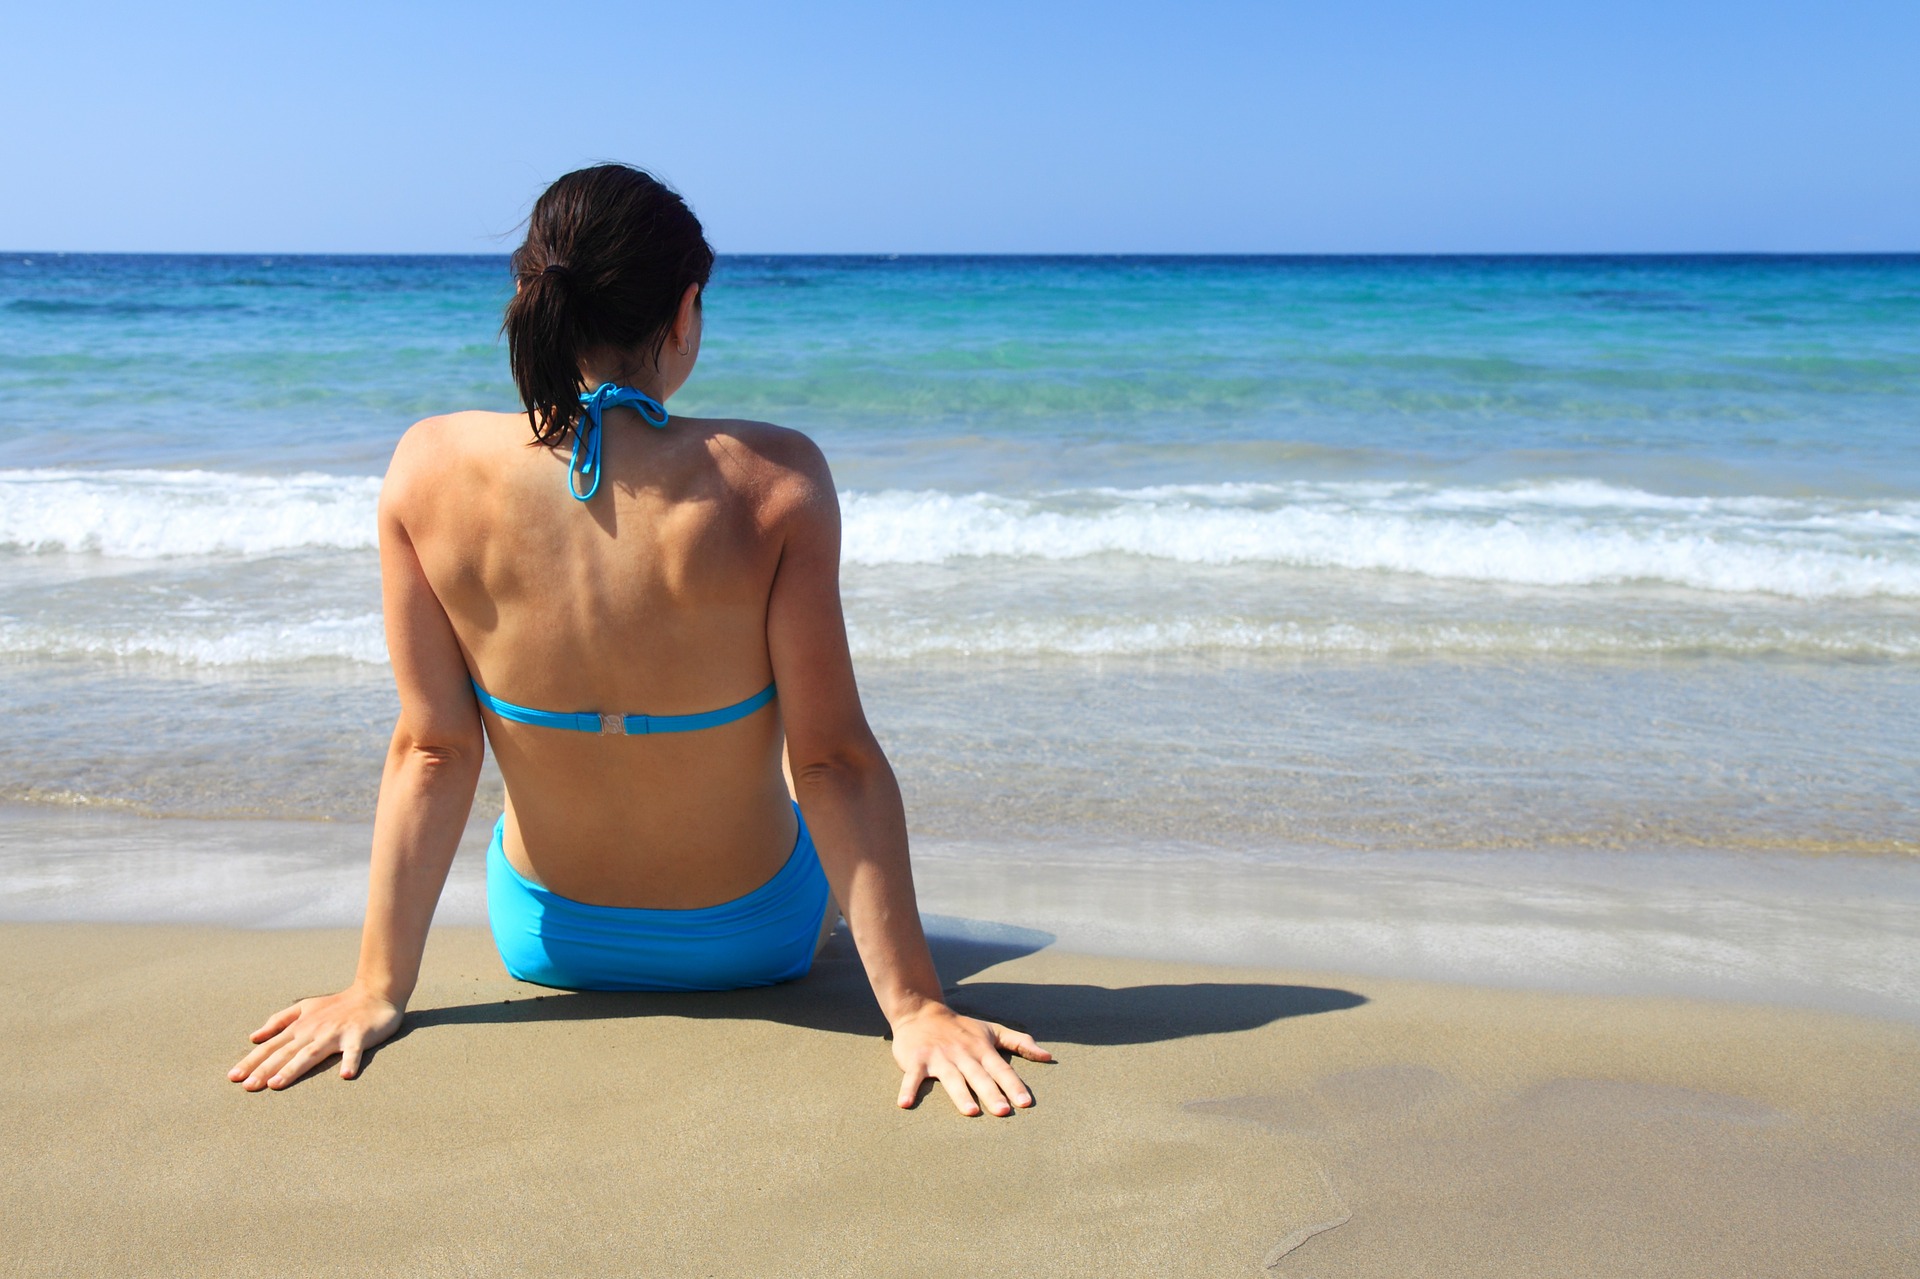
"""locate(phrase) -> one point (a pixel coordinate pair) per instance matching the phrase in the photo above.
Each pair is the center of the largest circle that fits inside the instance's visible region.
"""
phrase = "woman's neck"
(648, 383)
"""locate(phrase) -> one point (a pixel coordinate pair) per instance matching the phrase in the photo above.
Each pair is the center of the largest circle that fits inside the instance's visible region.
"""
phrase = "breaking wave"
(1562, 533)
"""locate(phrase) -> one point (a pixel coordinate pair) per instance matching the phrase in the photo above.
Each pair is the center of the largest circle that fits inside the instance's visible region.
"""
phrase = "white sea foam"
(1562, 533)
(357, 638)
(153, 514)
(1146, 637)
(1569, 534)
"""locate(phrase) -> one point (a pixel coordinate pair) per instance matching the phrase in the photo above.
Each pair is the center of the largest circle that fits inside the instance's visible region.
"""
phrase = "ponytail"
(609, 253)
(543, 348)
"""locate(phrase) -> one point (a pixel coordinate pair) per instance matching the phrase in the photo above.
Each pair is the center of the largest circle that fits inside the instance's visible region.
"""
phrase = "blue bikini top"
(622, 725)
(585, 462)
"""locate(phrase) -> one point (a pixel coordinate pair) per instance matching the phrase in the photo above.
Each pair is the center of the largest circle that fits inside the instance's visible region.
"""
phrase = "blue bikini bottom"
(767, 936)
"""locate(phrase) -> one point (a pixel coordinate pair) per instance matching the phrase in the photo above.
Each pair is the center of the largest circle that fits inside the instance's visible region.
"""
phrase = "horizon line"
(890, 256)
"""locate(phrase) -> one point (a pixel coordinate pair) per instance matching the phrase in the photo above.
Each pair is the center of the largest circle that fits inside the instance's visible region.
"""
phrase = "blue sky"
(979, 127)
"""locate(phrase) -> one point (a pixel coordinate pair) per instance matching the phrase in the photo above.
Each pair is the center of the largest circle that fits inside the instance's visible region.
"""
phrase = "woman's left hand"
(301, 1036)
(964, 1055)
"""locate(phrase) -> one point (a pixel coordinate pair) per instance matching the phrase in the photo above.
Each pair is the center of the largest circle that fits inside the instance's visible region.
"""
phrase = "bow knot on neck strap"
(585, 462)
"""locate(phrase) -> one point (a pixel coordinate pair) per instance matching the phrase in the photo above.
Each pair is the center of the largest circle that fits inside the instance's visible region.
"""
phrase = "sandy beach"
(1201, 1121)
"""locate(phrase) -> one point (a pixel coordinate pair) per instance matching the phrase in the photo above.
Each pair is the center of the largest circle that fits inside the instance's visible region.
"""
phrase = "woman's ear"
(685, 320)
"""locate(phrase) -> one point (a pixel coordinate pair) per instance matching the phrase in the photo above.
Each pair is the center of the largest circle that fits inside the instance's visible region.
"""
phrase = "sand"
(1201, 1121)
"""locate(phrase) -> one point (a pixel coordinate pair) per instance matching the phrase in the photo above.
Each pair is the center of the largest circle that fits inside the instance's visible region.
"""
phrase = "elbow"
(444, 757)
(438, 754)
(849, 766)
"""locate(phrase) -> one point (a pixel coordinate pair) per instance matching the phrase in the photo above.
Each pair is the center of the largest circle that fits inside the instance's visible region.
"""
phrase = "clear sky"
(1295, 126)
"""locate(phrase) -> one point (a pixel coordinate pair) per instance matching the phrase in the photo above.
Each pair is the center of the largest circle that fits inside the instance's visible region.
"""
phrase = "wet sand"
(1201, 1121)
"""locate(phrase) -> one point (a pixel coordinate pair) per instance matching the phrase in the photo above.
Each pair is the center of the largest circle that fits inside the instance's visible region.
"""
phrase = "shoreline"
(1202, 1121)
(1833, 932)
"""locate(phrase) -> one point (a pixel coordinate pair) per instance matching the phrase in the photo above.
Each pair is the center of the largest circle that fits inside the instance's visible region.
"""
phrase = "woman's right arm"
(426, 793)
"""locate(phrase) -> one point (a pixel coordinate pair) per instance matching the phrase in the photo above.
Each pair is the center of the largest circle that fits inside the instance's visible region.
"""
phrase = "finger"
(985, 1088)
(910, 1087)
(270, 1067)
(276, 1023)
(350, 1054)
(245, 1065)
(1010, 1083)
(956, 1086)
(1019, 1043)
(300, 1063)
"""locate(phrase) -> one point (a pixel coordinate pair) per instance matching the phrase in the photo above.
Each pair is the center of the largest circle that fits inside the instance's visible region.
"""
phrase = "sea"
(1271, 609)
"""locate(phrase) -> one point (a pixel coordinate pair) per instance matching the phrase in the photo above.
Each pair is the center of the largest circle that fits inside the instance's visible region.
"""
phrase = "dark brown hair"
(609, 253)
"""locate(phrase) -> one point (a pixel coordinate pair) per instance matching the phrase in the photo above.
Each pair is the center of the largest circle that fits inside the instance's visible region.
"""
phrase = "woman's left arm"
(851, 801)
(426, 793)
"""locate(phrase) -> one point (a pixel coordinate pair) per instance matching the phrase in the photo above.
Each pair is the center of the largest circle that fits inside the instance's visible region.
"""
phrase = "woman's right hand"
(300, 1037)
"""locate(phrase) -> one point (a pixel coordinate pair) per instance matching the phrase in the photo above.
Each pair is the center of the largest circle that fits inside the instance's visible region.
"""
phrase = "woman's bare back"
(650, 599)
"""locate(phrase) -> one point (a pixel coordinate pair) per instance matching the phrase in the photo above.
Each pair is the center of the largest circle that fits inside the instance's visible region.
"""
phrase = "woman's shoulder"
(777, 461)
(780, 447)
(453, 434)
(446, 445)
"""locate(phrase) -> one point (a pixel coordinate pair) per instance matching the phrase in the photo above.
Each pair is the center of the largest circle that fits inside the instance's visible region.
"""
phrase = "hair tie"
(556, 268)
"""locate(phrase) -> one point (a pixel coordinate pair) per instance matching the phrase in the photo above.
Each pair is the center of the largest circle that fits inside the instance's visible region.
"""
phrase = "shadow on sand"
(835, 997)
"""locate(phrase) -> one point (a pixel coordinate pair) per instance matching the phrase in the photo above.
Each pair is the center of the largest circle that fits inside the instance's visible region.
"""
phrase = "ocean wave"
(151, 514)
(1554, 533)
(359, 639)
(1155, 637)
(1573, 533)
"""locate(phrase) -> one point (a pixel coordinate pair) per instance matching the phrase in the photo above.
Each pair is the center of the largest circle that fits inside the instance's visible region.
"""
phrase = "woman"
(621, 561)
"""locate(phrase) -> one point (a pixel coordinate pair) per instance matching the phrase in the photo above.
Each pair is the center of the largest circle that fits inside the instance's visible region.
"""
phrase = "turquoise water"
(1446, 553)
(1682, 374)
(1729, 376)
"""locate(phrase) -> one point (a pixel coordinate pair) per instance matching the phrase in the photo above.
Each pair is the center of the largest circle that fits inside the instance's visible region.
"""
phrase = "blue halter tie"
(586, 432)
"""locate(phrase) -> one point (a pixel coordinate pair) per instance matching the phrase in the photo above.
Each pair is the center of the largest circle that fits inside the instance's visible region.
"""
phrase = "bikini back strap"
(622, 725)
